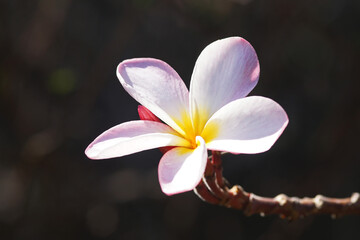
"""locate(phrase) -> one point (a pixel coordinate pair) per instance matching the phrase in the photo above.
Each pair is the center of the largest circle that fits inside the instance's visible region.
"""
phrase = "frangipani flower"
(214, 115)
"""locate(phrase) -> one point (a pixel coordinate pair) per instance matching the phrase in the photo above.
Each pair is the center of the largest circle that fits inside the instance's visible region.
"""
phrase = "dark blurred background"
(58, 91)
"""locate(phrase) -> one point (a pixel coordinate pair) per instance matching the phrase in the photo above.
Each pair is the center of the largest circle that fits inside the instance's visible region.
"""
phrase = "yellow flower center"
(195, 127)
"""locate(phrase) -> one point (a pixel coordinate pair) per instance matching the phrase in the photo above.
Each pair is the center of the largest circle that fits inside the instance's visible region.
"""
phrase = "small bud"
(354, 198)
(282, 199)
(318, 201)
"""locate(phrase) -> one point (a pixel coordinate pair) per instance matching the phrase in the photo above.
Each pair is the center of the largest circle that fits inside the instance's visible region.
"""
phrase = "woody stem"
(213, 189)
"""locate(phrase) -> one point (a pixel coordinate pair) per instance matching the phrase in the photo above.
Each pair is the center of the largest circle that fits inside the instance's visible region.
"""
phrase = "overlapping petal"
(132, 137)
(181, 169)
(226, 70)
(215, 115)
(247, 125)
(158, 87)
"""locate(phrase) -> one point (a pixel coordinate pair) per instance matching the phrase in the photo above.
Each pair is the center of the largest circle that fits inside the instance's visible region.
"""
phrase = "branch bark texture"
(214, 189)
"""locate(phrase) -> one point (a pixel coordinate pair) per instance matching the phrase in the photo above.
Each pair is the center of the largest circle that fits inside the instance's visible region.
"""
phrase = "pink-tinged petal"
(155, 85)
(145, 114)
(247, 125)
(132, 137)
(226, 70)
(181, 169)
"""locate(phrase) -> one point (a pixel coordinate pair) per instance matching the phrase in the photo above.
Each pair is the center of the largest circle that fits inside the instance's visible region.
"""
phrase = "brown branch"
(214, 189)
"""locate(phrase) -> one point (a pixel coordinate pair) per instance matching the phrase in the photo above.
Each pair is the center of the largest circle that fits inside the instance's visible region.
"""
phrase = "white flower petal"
(157, 86)
(181, 169)
(226, 70)
(247, 125)
(132, 137)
